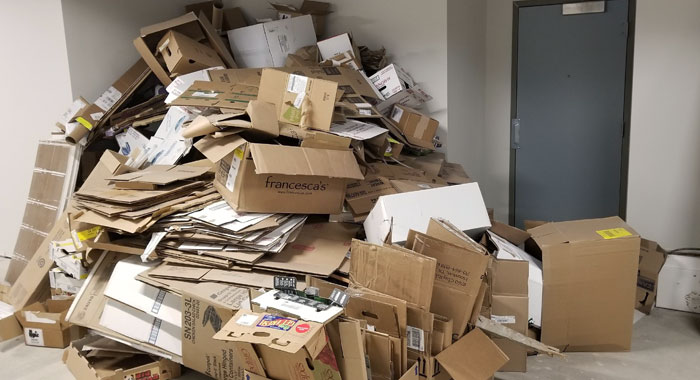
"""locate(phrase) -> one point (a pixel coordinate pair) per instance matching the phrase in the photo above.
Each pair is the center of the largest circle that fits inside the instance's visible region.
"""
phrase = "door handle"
(515, 133)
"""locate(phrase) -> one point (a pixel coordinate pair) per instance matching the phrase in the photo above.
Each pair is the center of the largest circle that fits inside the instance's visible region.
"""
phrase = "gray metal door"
(567, 133)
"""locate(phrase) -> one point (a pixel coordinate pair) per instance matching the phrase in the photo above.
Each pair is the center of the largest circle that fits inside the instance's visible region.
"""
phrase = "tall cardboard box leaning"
(589, 283)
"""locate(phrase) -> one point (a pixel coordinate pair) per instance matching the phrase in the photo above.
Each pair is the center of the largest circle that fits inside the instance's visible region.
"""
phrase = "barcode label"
(613, 233)
(415, 339)
(503, 319)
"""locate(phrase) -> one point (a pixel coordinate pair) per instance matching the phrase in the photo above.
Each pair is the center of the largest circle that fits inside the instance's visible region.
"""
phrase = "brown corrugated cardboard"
(129, 366)
(474, 357)
(276, 178)
(583, 262)
(349, 348)
(258, 120)
(405, 186)
(183, 55)
(194, 27)
(651, 260)
(454, 173)
(44, 324)
(157, 175)
(9, 327)
(509, 307)
(393, 271)
(457, 278)
(250, 77)
(300, 100)
(317, 9)
(352, 82)
(225, 96)
(362, 195)
(418, 128)
(205, 308)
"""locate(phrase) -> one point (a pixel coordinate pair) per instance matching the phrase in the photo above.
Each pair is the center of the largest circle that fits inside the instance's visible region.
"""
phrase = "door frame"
(627, 105)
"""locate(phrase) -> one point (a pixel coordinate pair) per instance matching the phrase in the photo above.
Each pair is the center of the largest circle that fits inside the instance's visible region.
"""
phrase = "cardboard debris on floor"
(314, 231)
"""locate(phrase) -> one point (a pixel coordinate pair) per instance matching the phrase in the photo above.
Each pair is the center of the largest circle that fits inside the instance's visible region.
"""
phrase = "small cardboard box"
(651, 259)
(45, 325)
(418, 128)
(317, 9)
(300, 100)
(190, 25)
(276, 178)
(679, 284)
(391, 80)
(589, 270)
(396, 214)
(268, 44)
(139, 366)
(184, 55)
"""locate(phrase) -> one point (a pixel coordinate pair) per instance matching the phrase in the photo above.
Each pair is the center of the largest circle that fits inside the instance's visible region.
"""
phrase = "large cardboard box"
(589, 283)
(205, 309)
(419, 129)
(190, 25)
(398, 213)
(135, 366)
(286, 179)
(267, 44)
(184, 55)
(651, 259)
(45, 324)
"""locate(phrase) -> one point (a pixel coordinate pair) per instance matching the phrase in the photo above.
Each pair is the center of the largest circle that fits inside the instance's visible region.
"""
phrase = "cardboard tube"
(78, 132)
(217, 15)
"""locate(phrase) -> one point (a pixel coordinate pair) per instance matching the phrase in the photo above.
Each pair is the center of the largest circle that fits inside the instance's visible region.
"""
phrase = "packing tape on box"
(421, 127)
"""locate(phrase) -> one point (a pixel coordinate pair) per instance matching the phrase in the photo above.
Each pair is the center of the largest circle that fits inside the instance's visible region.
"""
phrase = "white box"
(679, 284)
(124, 287)
(267, 44)
(391, 80)
(462, 205)
(58, 279)
(333, 46)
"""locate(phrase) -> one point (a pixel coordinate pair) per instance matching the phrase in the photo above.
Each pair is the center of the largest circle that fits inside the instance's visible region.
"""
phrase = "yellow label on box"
(614, 233)
(89, 234)
(84, 123)
(238, 153)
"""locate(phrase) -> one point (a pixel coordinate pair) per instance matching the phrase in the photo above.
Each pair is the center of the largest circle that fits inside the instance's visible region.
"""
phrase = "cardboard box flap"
(277, 332)
(162, 174)
(474, 357)
(582, 230)
(279, 159)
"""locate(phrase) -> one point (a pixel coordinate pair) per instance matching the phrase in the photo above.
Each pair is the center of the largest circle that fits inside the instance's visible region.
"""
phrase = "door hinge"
(515, 133)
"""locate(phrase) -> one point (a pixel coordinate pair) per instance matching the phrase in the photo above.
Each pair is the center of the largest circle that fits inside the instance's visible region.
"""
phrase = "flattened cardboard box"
(285, 179)
(651, 259)
(204, 311)
(594, 263)
(135, 367)
(474, 357)
(218, 95)
(190, 25)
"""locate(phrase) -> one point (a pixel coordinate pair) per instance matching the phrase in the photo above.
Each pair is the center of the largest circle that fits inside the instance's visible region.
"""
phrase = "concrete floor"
(666, 345)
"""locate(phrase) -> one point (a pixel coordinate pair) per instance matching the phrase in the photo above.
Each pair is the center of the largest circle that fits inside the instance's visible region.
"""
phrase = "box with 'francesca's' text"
(285, 179)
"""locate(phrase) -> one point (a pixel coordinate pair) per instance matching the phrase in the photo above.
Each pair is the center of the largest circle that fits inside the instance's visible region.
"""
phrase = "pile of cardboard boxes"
(312, 232)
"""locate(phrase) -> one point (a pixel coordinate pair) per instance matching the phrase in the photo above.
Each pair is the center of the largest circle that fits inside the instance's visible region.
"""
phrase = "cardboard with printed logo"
(582, 261)
(285, 179)
(288, 348)
(300, 100)
(205, 309)
(44, 324)
(651, 259)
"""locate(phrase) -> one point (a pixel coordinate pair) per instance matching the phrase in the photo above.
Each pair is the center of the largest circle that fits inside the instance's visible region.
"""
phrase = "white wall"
(36, 89)
(664, 171)
(99, 37)
(466, 72)
(414, 33)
